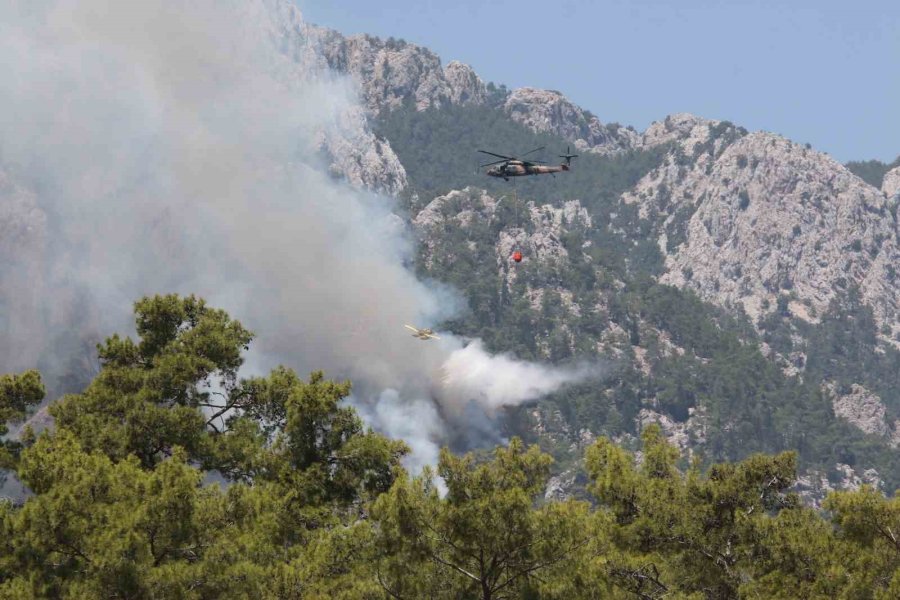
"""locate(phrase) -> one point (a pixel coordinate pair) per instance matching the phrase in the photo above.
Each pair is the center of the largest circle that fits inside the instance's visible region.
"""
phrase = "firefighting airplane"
(510, 166)
(422, 334)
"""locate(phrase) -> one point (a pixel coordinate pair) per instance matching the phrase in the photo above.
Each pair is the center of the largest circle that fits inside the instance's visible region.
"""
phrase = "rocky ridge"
(538, 234)
(360, 158)
(813, 486)
(352, 151)
(392, 73)
(744, 218)
(548, 111)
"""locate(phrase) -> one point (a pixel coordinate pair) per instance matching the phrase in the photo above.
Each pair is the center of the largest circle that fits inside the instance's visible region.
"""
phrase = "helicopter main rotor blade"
(535, 150)
(497, 155)
(496, 162)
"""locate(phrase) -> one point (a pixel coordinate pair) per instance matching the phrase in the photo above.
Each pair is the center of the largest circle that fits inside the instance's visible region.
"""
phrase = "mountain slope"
(789, 250)
(738, 287)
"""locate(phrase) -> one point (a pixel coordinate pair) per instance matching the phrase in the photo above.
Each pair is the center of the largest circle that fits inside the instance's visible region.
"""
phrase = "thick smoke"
(163, 146)
(500, 380)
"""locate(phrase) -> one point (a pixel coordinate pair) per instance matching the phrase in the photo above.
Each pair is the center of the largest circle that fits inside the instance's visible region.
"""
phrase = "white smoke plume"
(499, 380)
(166, 146)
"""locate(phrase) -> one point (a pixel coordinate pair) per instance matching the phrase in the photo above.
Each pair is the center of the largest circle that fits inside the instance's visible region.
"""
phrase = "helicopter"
(422, 334)
(510, 166)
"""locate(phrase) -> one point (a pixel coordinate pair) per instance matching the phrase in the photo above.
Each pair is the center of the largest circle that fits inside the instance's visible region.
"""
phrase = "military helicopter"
(510, 166)
(422, 334)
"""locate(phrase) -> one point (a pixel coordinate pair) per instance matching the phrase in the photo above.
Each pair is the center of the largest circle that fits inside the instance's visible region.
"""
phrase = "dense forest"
(872, 171)
(751, 403)
(314, 505)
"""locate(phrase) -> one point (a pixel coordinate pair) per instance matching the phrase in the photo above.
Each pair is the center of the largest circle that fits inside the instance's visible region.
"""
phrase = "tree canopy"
(171, 476)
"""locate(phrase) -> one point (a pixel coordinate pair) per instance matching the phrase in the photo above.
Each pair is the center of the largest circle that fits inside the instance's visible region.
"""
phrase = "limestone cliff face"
(466, 87)
(358, 156)
(391, 73)
(746, 218)
(537, 237)
(683, 128)
(551, 112)
(891, 183)
(315, 53)
(859, 407)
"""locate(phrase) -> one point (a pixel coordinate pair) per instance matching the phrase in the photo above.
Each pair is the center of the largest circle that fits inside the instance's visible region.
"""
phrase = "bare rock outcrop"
(813, 486)
(674, 432)
(466, 87)
(683, 435)
(685, 129)
(851, 480)
(747, 218)
(358, 156)
(550, 111)
(559, 487)
(539, 241)
(859, 407)
(389, 72)
(890, 185)
(549, 224)
(353, 151)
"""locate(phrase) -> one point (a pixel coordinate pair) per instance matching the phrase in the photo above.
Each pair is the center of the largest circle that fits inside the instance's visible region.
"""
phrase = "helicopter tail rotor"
(568, 156)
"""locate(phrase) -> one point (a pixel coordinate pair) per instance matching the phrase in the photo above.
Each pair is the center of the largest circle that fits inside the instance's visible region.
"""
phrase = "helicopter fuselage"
(515, 168)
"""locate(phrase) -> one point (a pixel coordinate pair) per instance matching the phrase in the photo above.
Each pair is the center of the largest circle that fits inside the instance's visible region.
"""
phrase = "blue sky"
(818, 71)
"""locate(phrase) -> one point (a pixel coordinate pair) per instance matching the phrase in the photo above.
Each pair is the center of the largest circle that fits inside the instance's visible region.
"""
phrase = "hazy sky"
(825, 72)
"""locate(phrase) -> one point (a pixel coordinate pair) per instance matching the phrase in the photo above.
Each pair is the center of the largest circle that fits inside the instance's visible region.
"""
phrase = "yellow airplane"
(422, 334)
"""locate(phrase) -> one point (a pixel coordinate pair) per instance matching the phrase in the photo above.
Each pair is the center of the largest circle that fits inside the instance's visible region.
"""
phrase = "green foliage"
(18, 394)
(735, 531)
(872, 171)
(318, 507)
(842, 349)
(438, 149)
(751, 405)
(119, 506)
(484, 538)
(146, 398)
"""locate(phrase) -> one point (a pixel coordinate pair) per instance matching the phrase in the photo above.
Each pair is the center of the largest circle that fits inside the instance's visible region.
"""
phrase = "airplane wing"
(411, 328)
(432, 336)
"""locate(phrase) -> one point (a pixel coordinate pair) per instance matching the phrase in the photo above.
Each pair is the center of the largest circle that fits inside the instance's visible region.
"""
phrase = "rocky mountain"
(549, 111)
(773, 233)
(744, 219)
(708, 267)
(359, 157)
(391, 72)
